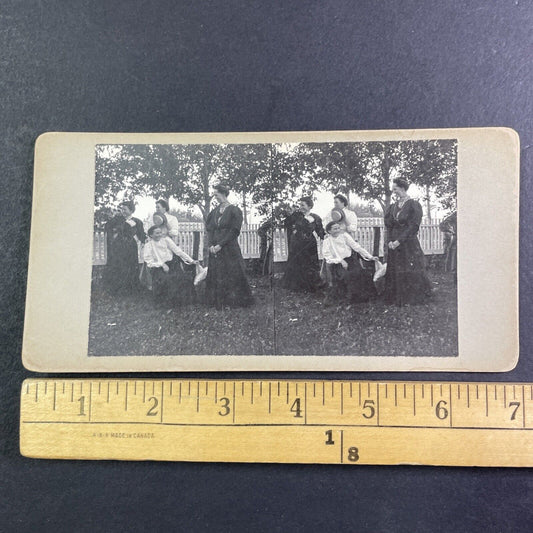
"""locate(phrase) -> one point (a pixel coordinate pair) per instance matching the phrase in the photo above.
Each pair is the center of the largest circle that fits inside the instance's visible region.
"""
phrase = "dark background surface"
(243, 65)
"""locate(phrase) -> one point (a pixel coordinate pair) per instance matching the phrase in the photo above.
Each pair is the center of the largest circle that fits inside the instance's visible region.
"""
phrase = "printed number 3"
(225, 407)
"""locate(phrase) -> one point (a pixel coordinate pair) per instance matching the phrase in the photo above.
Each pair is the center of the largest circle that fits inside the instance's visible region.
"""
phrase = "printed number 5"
(369, 404)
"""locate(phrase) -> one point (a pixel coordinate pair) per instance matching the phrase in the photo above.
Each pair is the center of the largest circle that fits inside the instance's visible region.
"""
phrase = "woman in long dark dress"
(226, 283)
(406, 281)
(303, 269)
(122, 270)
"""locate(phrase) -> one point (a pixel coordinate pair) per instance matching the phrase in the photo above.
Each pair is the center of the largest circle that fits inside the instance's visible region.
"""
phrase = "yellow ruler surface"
(294, 421)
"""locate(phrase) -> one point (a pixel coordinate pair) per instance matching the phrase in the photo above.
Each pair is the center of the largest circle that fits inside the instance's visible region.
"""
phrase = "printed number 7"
(516, 405)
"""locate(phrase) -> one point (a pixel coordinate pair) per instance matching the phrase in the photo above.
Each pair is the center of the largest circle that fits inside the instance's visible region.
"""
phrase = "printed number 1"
(329, 435)
(81, 399)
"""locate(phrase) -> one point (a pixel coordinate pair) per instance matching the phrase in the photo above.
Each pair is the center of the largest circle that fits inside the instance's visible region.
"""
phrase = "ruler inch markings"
(162, 398)
(44, 408)
(197, 396)
(451, 407)
(523, 407)
(305, 403)
(233, 404)
(90, 399)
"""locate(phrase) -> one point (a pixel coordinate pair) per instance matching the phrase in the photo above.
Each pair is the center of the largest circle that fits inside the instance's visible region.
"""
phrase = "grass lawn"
(298, 324)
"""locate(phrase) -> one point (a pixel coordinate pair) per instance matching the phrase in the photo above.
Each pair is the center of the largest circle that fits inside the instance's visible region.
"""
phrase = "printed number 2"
(152, 411)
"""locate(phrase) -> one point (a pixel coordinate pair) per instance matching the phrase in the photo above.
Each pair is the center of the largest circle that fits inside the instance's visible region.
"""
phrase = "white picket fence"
(431, 240)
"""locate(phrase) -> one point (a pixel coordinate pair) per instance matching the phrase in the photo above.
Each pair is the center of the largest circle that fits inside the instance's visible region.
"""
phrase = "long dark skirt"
(406, 281)
(174, 288)
(354, 284)
(121, 274)
(302, 272)
(226, 282)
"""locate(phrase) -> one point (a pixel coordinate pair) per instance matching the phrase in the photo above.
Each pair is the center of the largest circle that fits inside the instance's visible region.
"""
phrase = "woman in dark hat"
(123, 232)
(303, 270)
(226, 283)
(406, 281)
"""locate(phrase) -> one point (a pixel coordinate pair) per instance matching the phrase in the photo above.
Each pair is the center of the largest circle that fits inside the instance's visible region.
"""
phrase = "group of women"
(347, 272)
(170, 270)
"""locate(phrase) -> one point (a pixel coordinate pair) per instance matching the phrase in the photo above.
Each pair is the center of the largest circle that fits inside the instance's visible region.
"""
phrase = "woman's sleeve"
(356, 247)
(234, 227)
(178, 251)
(351, 220)
(288, 222)
(148, 256)
(413, 222)
(173, 227)
(139, 230)
(209, 227)
(319, 227)
(388, 217)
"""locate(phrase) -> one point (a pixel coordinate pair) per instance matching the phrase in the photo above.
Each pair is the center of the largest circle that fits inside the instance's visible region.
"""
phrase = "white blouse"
(155, 253)
(335, 249)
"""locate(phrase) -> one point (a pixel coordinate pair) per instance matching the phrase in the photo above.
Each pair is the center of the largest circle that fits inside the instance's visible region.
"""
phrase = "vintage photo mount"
(61, 247)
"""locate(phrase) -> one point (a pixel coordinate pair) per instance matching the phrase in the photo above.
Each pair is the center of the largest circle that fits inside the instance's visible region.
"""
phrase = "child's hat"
(337, 215)
(159, 220)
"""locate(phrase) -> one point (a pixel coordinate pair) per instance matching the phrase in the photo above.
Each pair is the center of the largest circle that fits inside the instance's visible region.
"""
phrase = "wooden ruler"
(294, 421)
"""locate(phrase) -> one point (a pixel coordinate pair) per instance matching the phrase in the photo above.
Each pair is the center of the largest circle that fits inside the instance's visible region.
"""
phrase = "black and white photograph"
(345, 248)
(294, 251)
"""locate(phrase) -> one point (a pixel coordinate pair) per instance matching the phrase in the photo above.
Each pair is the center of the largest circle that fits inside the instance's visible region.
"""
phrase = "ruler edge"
(28, 381)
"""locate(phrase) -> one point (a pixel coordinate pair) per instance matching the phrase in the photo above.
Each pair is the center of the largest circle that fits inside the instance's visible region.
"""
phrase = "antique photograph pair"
(384, 250)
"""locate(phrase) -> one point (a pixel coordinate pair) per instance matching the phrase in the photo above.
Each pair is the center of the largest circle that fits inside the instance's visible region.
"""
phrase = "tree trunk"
(387, 194)
(244, 209)
(206, 193)
(428, 204)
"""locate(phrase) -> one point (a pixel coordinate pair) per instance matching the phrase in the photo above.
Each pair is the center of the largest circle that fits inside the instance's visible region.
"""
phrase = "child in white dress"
(172, 280)
(350, 277)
